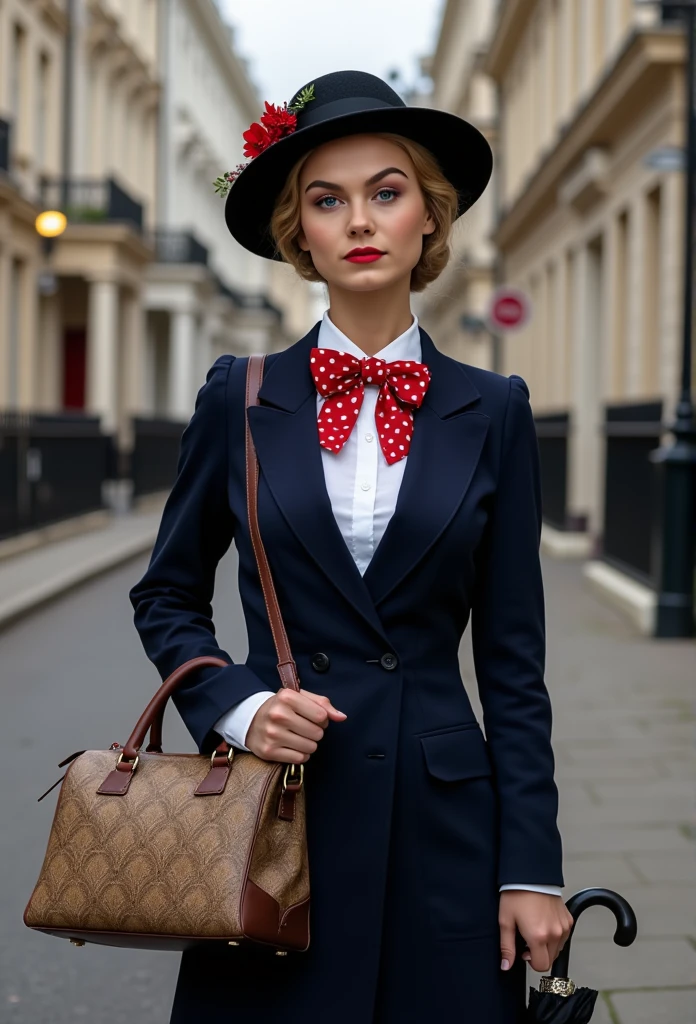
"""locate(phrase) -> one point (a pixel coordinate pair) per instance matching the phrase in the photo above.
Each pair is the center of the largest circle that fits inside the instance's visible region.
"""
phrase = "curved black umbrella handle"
(626, 924)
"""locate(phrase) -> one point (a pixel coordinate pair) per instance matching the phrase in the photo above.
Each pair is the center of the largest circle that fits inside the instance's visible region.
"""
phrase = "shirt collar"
(406, 346)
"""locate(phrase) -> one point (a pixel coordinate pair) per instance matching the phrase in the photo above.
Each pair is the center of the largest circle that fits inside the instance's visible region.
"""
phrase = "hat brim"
(461, 150)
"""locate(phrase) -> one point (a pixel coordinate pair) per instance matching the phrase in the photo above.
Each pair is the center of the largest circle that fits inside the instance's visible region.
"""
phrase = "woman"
(385, 527)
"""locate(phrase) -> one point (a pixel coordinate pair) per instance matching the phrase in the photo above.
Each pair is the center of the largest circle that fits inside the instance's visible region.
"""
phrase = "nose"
(360, 222)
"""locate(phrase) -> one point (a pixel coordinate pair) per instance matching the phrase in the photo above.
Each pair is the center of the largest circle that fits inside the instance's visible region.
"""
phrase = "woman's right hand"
(288, 727)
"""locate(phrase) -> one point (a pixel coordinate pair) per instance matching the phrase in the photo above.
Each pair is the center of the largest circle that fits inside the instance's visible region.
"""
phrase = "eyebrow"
(370, 181)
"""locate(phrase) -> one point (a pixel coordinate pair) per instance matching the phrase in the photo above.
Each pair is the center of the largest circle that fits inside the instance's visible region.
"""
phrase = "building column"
(5, 304)
(132, 381)
(26, 357)
(102, 352)
(635, 332)
(585, 456)
(50, 369)
(182, 365)
(671, 289)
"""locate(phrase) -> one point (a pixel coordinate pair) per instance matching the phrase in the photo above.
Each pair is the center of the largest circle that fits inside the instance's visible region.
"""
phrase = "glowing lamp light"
(51, 223)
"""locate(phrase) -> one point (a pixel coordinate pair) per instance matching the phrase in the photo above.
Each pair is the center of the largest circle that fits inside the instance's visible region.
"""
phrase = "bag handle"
(287, 669)
(155, 708)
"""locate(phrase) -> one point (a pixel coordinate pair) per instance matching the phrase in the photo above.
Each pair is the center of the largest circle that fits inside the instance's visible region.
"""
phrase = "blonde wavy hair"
(440, 198)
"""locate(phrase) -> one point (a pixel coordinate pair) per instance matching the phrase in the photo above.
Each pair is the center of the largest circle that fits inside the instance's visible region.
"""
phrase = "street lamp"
(50, 225)
(675, 598)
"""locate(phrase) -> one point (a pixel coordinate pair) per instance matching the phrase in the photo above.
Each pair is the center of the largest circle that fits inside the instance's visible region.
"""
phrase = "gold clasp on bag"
(133, 763)
(230, 756)
(289, 778)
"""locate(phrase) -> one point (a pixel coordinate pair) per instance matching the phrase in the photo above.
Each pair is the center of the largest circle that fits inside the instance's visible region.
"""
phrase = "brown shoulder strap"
(287, 669)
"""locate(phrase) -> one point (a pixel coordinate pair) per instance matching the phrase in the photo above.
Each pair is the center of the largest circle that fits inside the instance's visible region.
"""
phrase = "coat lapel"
(447, 442)
(284, 429)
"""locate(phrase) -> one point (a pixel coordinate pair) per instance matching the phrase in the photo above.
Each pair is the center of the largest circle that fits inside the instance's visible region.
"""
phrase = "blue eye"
(333, 201)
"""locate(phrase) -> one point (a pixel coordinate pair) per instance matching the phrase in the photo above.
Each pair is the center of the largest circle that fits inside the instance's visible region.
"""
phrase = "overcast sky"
(290, 42)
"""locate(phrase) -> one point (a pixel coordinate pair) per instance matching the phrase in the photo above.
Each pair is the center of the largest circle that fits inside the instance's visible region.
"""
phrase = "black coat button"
(320, 662)
(389, 661)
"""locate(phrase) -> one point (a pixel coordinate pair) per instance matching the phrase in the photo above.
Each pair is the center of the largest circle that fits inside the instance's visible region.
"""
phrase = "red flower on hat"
(279, 121)
(257, 139)
(276, 123)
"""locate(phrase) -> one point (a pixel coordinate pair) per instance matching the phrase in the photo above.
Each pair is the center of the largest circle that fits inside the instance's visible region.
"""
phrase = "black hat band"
(349, 105)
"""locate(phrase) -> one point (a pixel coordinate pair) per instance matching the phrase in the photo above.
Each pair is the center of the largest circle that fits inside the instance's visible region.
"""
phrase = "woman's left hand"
(543, 921)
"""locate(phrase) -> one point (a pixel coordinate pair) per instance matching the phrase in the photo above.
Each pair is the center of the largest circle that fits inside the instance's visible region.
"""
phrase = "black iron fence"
(51, 467)
(630, 495)
(91, 200)
(5, 129)
(155, 454)
(552, 435)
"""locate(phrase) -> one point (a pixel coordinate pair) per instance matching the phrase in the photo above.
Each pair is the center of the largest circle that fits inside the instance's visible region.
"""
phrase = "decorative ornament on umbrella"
(559, 1000)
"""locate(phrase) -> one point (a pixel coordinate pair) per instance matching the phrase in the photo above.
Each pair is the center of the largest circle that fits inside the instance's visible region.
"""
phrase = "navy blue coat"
(414, 817)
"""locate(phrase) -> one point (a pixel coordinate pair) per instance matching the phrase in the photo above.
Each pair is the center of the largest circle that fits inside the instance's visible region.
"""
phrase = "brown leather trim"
(294, 926)
(286, 805)
(214, 783)
(262, 920)
(150, 940)
(116, 783)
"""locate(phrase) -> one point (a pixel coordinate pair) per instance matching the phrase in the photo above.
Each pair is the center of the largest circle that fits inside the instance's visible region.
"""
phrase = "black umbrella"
(558, 1000)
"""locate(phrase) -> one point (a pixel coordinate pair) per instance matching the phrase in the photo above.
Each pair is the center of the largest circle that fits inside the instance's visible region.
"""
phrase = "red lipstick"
(368, 254)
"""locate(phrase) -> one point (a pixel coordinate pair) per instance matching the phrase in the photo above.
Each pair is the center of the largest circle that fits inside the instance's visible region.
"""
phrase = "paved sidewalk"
(625, 742)
(30, 578)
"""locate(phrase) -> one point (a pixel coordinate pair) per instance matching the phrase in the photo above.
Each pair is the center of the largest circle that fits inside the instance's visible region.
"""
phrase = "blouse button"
(369, 437)
(365, 486)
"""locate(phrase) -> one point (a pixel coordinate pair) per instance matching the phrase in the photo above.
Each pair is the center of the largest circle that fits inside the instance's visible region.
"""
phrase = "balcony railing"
(178, 247)
(5, 128)
(91, 200)
(247, 300)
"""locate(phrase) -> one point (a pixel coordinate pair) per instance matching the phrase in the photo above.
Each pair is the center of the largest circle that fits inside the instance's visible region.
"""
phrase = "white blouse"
(363, 489)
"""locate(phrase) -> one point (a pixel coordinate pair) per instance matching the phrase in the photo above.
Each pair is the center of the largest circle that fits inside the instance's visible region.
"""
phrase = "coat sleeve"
(509, 647)
(172, 601)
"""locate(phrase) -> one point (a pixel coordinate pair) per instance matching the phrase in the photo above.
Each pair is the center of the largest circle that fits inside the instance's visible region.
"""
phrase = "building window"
(17, 76)
(43, 86)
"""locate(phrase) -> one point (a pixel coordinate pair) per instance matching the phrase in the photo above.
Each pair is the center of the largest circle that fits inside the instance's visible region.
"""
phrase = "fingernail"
(505, 965)
(526, 956)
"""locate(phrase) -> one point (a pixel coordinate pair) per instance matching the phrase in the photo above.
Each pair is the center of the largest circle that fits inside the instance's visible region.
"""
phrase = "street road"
(74, 675)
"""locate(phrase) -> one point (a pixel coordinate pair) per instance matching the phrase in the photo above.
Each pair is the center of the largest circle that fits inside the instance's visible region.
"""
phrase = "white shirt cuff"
(552, 890)
(233, 726)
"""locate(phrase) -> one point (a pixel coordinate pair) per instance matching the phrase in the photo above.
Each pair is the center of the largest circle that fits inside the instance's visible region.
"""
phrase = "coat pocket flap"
(459, 754)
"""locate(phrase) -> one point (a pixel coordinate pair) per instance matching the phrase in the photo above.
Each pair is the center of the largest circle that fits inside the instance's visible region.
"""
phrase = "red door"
(74, 365)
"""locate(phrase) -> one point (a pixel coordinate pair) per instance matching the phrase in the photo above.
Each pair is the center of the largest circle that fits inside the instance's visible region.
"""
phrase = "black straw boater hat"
(334, 105)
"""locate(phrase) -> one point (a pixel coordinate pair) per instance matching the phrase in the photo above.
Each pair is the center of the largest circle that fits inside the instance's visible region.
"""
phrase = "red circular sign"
(509, 309)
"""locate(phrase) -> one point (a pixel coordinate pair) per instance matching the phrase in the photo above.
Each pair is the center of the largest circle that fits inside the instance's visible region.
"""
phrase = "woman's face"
(357, 192)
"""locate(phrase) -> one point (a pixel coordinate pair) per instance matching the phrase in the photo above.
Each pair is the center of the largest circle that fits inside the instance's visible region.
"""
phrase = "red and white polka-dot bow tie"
(340, 379)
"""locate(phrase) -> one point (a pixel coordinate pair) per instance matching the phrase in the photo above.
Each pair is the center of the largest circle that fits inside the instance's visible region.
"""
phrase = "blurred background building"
(120, 115)
(584, 102)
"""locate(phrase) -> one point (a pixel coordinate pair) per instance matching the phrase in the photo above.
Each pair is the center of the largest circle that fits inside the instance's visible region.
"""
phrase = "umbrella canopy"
(558, 1001)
